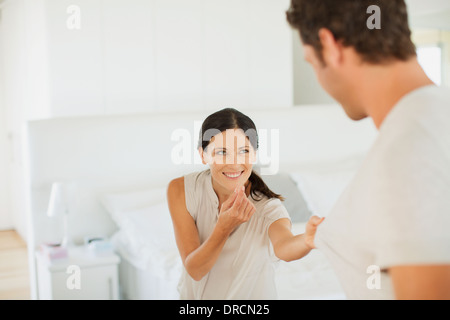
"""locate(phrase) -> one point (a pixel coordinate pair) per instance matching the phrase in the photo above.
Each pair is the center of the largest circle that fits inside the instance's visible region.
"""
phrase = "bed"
(121, 165)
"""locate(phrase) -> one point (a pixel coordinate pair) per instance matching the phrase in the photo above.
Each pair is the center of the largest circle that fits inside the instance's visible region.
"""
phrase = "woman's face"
(230, 157)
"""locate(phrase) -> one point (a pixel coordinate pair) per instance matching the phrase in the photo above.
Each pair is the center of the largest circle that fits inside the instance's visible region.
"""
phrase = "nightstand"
(81, 276)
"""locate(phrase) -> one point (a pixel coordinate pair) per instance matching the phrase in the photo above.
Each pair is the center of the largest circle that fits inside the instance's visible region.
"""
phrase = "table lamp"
(59, 206)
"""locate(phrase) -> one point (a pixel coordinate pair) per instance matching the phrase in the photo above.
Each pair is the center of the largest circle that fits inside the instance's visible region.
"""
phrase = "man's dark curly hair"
(347, 20)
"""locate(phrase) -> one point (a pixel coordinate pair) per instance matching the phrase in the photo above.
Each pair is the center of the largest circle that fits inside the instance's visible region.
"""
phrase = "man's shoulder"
(426, 105)
(419, 120)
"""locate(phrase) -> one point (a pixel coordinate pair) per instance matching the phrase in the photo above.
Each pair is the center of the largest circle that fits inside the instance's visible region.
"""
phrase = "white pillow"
(152, 226)
(145, 230)
(323, 183)
(117, 203)
(148, 234)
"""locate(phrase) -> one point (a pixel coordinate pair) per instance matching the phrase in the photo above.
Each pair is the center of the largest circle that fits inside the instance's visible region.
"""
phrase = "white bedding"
(310, 278)
(141, 281)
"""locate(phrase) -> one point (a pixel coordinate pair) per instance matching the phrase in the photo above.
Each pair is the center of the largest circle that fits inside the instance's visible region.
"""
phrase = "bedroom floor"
(14, 280)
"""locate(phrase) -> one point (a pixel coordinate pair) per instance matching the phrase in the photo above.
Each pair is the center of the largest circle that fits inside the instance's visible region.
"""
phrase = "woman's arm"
(288, 247)
(198, 258)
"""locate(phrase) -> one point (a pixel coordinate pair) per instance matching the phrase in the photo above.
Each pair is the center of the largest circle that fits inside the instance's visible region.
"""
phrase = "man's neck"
(386, 85)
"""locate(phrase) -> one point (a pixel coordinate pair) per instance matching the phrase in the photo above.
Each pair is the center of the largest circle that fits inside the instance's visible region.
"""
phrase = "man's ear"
(331, 49)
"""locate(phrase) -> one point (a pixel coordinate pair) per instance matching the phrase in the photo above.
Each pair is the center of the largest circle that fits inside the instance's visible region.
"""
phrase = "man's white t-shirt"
(396, 211)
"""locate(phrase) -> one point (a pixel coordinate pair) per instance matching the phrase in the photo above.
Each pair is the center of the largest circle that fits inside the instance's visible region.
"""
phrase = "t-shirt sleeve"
(410, 203)
(274, 210)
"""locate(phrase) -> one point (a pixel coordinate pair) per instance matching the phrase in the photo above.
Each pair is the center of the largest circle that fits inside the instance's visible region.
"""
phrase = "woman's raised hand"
(236, 210)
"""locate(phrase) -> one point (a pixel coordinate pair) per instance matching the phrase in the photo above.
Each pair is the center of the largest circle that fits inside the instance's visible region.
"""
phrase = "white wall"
(5, 156)
(141, 55)
(25, 93)
(436, 37)
(418, 8)
(307, 89)
(13, 72)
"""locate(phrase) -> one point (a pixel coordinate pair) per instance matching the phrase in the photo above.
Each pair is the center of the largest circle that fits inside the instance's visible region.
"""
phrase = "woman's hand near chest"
(199, 258)
(235, 211)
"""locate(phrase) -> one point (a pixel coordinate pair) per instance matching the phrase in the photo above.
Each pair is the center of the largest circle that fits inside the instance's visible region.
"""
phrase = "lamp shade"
(58, 204)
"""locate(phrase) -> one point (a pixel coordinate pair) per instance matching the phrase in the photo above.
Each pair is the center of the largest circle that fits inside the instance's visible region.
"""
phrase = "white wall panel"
(270, 51)
(143, 55)
(179, 60)
(75, 59)
(226, 54)
(129, 55)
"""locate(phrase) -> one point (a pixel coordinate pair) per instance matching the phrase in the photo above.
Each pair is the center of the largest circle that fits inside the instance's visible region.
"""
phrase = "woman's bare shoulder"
(176, 187)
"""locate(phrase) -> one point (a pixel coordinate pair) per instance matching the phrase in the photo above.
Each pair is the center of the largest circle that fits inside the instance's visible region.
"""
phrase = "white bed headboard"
(112, 153)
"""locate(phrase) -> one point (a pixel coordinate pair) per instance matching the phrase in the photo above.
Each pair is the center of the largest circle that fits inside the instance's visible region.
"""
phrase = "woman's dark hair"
(232, 119)
(347, 20)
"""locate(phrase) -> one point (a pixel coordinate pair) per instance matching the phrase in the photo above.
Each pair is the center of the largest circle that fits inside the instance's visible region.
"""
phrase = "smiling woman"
(226, 218)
